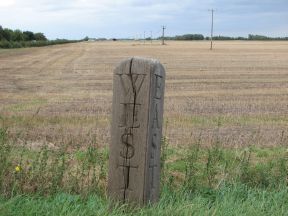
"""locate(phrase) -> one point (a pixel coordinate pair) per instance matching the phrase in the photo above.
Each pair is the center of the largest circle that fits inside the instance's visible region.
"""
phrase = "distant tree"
(86, 38)
(223, 38)
(28, 36)
(241, 38)
(257, 37)
(17, 35)
(189, 37)
(1, 34)
(7, 34)
(40, 37)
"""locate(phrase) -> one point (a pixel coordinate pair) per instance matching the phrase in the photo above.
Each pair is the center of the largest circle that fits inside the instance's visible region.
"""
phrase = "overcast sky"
(75, 19)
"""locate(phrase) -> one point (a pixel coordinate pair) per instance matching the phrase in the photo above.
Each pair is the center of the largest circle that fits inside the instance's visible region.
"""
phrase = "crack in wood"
(127, 167)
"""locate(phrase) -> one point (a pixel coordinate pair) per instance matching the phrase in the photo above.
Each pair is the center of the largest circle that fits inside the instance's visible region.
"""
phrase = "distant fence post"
(137, 117)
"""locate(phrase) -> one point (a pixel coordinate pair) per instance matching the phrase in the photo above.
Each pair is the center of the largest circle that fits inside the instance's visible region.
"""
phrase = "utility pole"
(151, 37)
(163, 34)
(144, 37)
(212, 23)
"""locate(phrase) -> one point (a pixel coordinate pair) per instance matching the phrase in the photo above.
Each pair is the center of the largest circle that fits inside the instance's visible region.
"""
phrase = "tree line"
(201, 37)
(7, 34)
(16, 39)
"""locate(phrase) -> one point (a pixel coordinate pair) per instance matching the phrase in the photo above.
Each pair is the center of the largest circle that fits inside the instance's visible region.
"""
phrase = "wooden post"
(137, 117)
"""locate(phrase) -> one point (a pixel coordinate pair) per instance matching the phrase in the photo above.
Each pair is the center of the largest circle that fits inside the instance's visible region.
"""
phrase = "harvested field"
(236, 95)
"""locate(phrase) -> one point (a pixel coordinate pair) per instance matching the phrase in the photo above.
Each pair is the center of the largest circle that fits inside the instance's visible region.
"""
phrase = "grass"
(26, 106)
(226, 200)
(204, 121)
(195, 181)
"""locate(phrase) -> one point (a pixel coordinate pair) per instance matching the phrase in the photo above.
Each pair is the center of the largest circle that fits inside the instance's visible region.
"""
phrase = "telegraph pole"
(151, 37)
(212, 23)
(144, 37)
(163, 34)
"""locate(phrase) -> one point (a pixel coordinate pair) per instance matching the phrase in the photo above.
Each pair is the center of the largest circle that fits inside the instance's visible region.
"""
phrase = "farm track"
(239, 90)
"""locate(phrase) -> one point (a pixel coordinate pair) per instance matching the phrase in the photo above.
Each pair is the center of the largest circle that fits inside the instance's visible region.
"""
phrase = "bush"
(15, 44)
(5, 44)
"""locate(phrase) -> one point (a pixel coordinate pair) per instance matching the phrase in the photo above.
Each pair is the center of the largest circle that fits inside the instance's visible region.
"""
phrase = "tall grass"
(48, 171)
(195, 180)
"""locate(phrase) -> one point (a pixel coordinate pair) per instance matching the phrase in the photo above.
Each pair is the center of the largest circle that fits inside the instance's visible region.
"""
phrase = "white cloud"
(6, 3)
(113, 18)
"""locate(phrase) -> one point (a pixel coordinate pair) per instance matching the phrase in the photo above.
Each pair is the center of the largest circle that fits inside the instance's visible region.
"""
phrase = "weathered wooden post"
(137, 116)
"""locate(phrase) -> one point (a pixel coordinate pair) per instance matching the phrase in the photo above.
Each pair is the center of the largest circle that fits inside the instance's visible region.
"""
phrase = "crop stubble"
(235, 95)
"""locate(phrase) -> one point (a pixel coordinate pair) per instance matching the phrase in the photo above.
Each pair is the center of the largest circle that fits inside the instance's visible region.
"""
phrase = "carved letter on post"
(137, 116)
